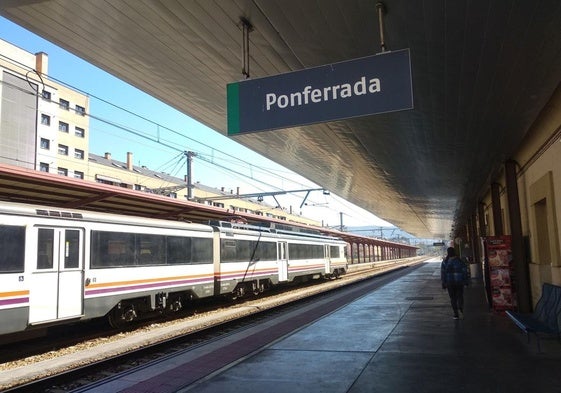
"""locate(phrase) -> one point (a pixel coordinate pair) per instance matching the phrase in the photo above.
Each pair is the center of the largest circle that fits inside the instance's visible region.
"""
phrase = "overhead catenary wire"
(228, 167)
(213, 159)
(201, 156)
(159, 140)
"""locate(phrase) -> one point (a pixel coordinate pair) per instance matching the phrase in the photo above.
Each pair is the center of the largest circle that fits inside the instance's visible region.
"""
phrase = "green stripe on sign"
(233, 98)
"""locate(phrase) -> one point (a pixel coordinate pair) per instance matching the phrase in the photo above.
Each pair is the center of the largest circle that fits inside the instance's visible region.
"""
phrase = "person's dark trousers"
(456, 293)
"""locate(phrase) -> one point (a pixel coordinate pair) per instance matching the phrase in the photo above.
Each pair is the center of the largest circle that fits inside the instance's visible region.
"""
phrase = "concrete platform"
(398, 338)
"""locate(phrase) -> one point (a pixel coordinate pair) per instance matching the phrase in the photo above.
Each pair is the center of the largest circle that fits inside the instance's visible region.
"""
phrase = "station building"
(523, 201)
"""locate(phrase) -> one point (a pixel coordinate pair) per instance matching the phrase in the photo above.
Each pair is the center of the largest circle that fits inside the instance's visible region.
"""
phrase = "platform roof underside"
(482, 71)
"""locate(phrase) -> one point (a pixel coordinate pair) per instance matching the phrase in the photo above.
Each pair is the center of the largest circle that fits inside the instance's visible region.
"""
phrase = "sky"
(124, 119)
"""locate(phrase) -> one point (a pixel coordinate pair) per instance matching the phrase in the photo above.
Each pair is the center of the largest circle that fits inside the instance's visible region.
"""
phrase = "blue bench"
(546, 318)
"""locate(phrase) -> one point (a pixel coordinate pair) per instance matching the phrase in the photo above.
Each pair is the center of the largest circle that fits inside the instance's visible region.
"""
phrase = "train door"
(216, 257)
(283, 261)
(57, 277)
(327, 254)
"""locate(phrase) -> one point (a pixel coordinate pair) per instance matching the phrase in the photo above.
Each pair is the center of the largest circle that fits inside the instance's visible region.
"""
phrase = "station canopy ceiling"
(482, 71)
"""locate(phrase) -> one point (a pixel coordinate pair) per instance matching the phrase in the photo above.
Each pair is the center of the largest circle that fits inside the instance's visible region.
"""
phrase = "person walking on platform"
(454, 275)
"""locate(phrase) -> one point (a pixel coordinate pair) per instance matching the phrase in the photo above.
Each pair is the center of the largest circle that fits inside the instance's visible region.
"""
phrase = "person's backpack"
(456, 271)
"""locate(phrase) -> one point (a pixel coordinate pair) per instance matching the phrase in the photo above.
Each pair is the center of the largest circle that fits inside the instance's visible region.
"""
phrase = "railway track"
(181, 335)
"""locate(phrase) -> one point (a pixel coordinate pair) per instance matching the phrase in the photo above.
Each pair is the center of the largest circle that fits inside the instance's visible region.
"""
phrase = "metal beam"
(263, 194)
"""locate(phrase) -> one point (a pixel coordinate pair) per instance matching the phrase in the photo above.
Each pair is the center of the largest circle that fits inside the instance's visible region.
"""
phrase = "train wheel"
(259, 289)
(121, 317)
(237, 293)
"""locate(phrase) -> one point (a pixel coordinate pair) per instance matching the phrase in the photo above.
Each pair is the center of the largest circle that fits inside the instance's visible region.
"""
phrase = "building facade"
(44, 125)
(535, 189)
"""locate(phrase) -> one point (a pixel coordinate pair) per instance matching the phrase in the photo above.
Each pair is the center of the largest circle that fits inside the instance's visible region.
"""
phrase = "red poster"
(499, 264)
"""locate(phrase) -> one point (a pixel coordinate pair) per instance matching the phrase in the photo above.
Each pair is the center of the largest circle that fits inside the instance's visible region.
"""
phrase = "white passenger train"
(59, 266)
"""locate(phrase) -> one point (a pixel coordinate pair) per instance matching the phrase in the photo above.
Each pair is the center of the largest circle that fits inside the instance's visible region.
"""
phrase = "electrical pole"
(189, 155)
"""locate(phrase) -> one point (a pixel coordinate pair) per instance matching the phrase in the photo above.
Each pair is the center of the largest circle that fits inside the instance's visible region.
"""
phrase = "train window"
(12, 244)
(334, 251)
(72, 249)
(305, 251)
(150, 249)
(188, 250)
(227, 250)
(112, 249)
(178, 250)
(266, 251)
(201, 251)
(228, 243)
(245, 250)
(45, 243)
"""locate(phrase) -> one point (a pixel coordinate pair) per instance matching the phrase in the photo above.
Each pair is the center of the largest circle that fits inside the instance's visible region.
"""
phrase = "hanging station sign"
(360, 87)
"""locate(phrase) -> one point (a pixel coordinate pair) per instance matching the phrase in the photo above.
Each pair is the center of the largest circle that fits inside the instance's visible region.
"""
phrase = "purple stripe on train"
(237, 276)
(148, 286)
(303, 268)
(11, 302)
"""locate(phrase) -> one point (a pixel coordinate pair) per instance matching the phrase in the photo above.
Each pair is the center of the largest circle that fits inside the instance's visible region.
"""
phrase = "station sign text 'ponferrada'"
(365, 86)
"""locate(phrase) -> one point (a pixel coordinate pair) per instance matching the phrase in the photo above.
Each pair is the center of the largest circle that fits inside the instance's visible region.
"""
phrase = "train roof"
(273, 228)
(40, 211)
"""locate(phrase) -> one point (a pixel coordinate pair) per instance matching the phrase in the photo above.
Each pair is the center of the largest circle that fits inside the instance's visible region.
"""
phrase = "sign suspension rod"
(381, 11)
(246, 29)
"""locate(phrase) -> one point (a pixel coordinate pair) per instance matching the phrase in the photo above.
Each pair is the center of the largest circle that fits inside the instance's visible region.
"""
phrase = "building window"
(45, 144)
(62, 171)
(45, 120)
(79, 132)
(78, 175)
(63, 150)
(79, 154)
(43, 167)
(62, 126)
(80, 110)
(64, 104)
(46, 95)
